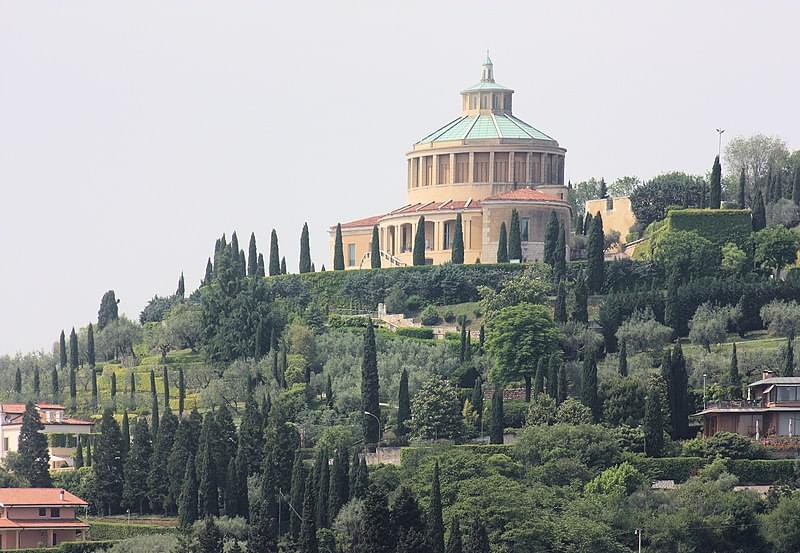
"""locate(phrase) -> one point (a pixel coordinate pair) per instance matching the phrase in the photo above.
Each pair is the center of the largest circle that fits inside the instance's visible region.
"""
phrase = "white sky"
(132, 134)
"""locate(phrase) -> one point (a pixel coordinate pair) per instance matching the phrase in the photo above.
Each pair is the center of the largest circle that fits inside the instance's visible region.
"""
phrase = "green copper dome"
(485, 126)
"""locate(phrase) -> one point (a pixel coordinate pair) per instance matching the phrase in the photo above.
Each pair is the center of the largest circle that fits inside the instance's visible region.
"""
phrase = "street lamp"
(380, 432)
(719, 144)
(704, 390)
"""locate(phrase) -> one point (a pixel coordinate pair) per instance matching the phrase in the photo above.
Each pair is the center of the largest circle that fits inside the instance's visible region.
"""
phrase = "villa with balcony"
(772, 408)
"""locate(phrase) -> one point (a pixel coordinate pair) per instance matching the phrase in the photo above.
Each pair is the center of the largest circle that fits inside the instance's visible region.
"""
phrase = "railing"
(735, 404)
(389, 258)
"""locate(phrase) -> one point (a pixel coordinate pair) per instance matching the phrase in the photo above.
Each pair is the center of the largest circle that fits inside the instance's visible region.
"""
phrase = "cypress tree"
(595, 270)
(360, 483)
(297, 495)
(454, 543)
(73, 350)
(338, 249)
(552, 375)
(107, 465)
(153, 390)
(209, 538)
(375, 254)
(563, 385)
(231, 489)
(742, 192)
(37, 386)
(305, 251)
(339, 485)
(73, 390)
(137, 467)
(759, 214)
(242, 265)
(418, 252)
(234, 245)
(502, 245)
(457, 254)
(481, 338)
(113, 390)
(704, 195)
(88, 460)
(403, 405)
(405, 515)
(308, 528)
(33, 454)
(623, 359)
(108, 311)
(133, 386)
(62, 351)
(589, 395)
(550, 239)
(560, 308)
(672, 308)
(538, 378)
(158, 478)
(208, 494)
(323, 488)
(654, 418)
(18, 382)
(79, 454)
(788, 359)
(734, 378)
(478, 538)
(154, 418)
(370, 388)
(181, 391)
(515, 237)
(94, 390)
(581, 312)
(329, 392)
(90, 354)
(560, 256)
(184, 449)
(716, 185)
(261, 270)
(125, 436)
(225, 443)
(187, 507)
(166, 388)
(283, 266)
(181, 290)
(252, 256)
(274, 255)
(209, 274)
(477, 402)
(603, 189)
(377, 534)
(462, 343)
(251, 436)
(262, 534)
(796, 186)
(435, 531)
(497, 424)
(678, 388)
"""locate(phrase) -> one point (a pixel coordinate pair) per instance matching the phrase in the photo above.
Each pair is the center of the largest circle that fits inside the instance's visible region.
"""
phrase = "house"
(772, 408)
(55, 423)
(39, 517)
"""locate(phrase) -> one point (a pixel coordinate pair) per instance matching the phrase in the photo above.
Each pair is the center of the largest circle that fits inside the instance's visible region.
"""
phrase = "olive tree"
(436, 411)
(641, 332)
(782, 318)
(709, 325)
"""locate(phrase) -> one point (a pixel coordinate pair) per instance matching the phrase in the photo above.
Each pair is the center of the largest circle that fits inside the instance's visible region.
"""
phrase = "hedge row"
(748, 471)
(411, 457)
(416, 332)
(121, 530)
(71, 547)
(719, 226)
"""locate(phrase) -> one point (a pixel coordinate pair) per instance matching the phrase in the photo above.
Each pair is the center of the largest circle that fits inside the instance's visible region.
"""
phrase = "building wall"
(32, 513)
(537, 215)
(360, 239)
(616, 212)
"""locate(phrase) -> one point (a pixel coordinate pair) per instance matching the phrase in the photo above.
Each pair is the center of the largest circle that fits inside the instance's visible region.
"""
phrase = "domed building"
(483, 164)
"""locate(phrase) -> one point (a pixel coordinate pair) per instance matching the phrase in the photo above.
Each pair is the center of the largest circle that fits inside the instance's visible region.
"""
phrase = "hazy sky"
(132, 134)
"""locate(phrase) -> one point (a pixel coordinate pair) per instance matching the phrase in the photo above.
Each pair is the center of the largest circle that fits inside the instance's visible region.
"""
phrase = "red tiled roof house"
(39, 517)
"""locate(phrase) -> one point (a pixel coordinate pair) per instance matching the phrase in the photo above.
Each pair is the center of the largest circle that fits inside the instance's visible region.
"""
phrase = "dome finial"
(487, 71)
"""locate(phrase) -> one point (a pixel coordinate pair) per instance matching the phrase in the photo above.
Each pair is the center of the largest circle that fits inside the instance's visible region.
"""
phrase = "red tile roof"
(56, 523)
(525, 195)
(19, 408)
(38, 496)
(365, 222)
(449, 205)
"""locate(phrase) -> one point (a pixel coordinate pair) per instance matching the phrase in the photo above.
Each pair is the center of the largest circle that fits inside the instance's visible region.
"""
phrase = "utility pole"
(719, 143)
(638, 532)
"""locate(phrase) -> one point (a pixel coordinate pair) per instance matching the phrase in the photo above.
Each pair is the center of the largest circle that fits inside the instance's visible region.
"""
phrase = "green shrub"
(347, 321)
(415, 332)
(763, 471)
(430, 316)
(718, 226)
(72, 547)
(679, 469)
(163, 543)
(449, 316)
(514, 413)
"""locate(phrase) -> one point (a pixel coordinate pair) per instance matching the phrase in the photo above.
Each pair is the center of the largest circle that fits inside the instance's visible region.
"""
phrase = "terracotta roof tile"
(525, 195)
(448, 205)
(38, 496)
(365, 222)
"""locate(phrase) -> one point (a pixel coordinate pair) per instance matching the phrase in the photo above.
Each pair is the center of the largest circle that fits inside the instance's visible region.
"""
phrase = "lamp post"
(377, 446)
(719, 143)
(704, 390)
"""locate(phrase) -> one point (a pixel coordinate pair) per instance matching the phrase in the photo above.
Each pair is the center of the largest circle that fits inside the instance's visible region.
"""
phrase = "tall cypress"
(90, 353)
(360, 481)
(742, 192)
(477, 402)
(181, 290)
(515, 237)
(125, 436)
(375, 245)
(370, 387)
(88, 460)
(403, 405)
(560, 308)
(37, 385)
(551, 239)
(581, 312)
(435, 531)
(154, 416)
(323, 487)
(502, 245)
(54, 387)
(654, 417)
(715, 197)
(734, 378)
(308, 528)
(418, 252)
(563, 385)
(679, 394)
(73, 350)
(260, 269)
(622, 366)
(377, 530)
(184, 449)
(560, 256)
(32, 450)
(587, 224)
(166, 388)
(497, 424)
(305, 251)
(283, 266)
(79, 454)
(187, 505)
(454, 543)
(595, 269)
(759, 212)
(457, 254)
(788, 359)
(181, 391)
(252, 256)
(208, 494)
(338, 249)
(73, 390)
(153, 390)
(62, 351)
(553, 366)
(796, 186)
(137, 467)
(18, 382)
(251, 435)
(107, 465)
(297, 495)
(209, 274)
(133, 386)
(539, 378)
(478, 538)
(158, 479)
(94, 389)
(589, 395)
(274, 255)
(339, 490)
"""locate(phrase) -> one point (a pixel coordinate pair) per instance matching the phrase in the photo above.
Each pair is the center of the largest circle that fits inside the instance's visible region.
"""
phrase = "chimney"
(765, 374)
(61, 495)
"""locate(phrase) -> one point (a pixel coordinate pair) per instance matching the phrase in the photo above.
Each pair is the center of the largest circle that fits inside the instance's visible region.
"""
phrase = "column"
(545, 159)
(512, 177)
(470, 168)
(452, 177)
(435, 170)
(491, 167)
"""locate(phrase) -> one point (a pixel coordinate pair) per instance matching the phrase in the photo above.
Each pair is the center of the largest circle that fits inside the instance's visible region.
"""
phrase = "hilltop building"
(482, 164)
(39, 517)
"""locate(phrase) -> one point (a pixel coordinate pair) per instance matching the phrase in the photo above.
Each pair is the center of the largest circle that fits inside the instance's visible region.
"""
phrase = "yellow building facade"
(483, 164)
